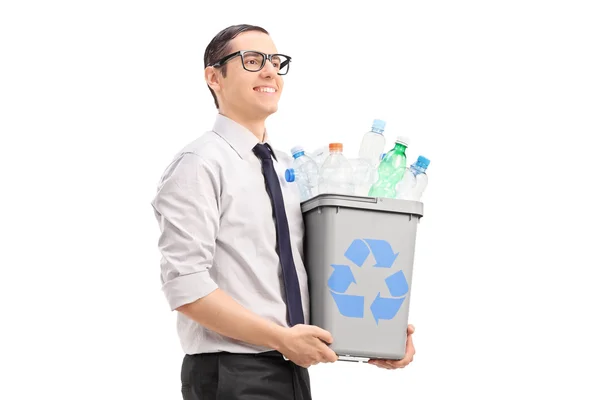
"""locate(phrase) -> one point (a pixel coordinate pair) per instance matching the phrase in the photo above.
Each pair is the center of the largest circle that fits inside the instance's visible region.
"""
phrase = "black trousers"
(231, 376)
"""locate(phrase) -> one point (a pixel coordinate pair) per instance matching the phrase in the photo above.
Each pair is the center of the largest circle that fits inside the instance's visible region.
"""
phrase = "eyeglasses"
(254, 61)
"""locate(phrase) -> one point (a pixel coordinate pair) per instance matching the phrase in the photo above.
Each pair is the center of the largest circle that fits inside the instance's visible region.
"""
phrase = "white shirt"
(217, 230)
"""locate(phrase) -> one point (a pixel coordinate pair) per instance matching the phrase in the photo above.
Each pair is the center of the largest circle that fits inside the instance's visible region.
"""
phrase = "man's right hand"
(307, 345)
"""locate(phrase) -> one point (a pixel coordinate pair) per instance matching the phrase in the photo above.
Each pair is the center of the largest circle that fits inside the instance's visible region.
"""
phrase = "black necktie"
(284, 247)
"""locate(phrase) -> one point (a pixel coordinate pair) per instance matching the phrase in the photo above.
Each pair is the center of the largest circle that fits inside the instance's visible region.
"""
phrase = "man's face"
(252, 94)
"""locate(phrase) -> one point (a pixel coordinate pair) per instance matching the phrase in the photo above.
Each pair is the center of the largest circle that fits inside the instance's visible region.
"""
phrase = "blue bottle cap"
(378, 126)
(297, 151)
(422, 162)
(290, 176)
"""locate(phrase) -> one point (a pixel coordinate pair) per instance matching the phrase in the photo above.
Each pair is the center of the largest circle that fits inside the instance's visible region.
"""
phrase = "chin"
(268, 110)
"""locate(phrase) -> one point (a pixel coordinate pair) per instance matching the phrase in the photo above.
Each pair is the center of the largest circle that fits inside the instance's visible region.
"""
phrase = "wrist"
(277, 337)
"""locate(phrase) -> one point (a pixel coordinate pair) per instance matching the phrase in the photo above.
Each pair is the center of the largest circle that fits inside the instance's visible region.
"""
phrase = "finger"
(327, 354)
(322, 334)
(391, 364)
(410, 347)
(411, 329)
(408, 358)
(330, 356)
(399, 364)
(382, 364)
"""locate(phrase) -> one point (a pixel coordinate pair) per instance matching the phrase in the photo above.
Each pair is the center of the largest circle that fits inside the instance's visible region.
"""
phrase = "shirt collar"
(240, 138)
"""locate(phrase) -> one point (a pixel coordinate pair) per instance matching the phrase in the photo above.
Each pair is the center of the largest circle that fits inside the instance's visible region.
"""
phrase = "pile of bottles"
(373, 173)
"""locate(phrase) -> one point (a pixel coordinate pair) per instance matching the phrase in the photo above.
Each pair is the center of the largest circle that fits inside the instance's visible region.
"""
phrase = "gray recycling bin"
(359, 255)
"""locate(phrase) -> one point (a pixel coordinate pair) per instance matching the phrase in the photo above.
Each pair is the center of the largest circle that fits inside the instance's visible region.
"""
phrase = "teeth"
(266, 90)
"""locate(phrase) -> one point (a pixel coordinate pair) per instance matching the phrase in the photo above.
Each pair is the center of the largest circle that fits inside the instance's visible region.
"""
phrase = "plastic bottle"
(414, 182)
(320, 154)
(375, 173)
(336, 173)
(305, 173)
(373, 143)
(391, 170)
(365, 176)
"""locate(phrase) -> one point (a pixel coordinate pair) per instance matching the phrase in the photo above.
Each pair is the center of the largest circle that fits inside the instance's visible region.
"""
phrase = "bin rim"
(363, 203)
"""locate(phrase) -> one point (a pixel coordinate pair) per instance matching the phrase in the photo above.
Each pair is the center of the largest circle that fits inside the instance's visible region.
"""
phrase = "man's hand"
(409, 354)
(306, 345)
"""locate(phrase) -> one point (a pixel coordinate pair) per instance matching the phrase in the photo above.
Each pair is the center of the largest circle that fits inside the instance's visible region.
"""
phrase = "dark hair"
(219, 47)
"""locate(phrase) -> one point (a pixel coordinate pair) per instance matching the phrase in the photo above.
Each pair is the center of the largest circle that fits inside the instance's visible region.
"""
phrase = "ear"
(212, 77)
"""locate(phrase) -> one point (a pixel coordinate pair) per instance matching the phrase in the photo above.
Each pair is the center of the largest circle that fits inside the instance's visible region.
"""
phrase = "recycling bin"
(359, 254)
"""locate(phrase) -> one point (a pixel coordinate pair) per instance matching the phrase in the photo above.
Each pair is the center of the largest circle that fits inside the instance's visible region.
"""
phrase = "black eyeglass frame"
(266, 57)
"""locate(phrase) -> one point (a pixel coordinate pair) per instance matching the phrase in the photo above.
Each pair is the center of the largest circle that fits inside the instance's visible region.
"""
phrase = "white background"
(503, 97)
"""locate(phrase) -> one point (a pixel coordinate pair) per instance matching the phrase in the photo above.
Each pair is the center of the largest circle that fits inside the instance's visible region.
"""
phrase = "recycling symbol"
(341, 278)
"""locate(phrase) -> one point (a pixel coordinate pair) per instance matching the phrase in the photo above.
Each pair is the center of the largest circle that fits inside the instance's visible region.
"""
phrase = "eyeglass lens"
(254, 62)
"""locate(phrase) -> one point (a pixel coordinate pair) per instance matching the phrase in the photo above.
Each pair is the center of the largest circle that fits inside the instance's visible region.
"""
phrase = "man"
(232, 238)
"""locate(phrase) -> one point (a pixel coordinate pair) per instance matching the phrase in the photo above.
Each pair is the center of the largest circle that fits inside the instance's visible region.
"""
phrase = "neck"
(254, 125)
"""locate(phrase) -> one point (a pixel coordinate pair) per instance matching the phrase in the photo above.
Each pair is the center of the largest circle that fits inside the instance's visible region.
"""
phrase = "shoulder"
(207, 146)
(197, 157)
(207, 150)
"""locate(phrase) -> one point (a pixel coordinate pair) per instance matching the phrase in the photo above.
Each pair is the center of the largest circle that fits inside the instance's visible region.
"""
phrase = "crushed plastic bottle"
(304, 172)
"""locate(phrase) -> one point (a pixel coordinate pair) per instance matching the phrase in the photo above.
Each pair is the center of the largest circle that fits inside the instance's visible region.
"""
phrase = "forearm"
(222, 314)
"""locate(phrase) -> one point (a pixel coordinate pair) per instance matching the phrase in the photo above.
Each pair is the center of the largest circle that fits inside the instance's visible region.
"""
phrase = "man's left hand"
(409, 354)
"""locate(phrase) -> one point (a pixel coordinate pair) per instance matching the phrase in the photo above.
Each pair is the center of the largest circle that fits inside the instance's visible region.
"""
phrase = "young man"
(232, 240)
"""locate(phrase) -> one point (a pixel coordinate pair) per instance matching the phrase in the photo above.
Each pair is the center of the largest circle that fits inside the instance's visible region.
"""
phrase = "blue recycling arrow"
(385, 308)
(349, 305)
(357, 252)
(383, 253)
(397, 284)
(341, 278)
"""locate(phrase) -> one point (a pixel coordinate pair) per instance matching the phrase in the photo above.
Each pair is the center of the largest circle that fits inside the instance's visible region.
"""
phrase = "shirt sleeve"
(186, 207)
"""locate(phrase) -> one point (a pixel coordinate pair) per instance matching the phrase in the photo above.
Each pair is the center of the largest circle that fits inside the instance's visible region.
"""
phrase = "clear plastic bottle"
(319, 155)
(391, 170)
(365, 176)
(336, 174)
(305, 173)
(414, 182)
(373, 143)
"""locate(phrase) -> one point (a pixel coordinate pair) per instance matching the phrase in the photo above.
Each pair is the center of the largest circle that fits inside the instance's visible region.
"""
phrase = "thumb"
(323, 334)
(411, 329)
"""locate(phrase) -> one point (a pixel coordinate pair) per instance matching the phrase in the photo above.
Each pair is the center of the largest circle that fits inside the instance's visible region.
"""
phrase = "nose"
(269, 70)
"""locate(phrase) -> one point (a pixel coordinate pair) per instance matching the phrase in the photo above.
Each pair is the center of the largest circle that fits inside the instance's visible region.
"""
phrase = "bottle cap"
(403, 140)
(290, 176)
(378, 126)
(336, 147)
(296, 149)
(422, 162)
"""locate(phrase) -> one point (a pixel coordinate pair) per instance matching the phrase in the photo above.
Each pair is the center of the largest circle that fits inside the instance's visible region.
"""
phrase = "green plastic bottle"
(391, 170)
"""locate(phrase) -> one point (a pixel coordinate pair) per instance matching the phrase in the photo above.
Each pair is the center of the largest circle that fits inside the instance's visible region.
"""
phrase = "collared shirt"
(217, 231)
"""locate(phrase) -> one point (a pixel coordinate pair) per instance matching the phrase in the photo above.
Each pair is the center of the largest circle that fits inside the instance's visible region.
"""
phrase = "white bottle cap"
(296, 149)
(403, 140)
